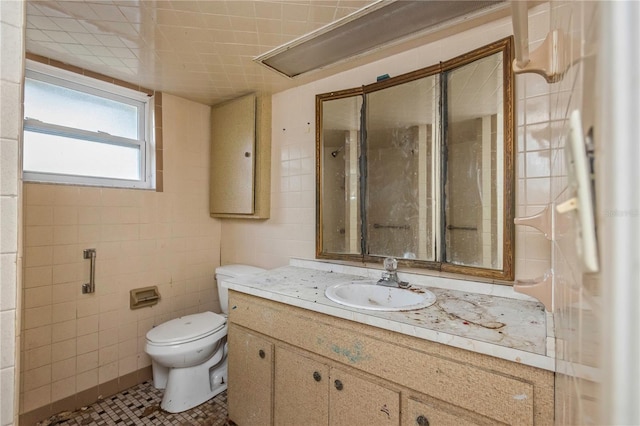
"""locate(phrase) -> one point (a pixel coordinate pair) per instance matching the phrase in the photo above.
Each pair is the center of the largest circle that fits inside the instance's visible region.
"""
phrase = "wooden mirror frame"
(505, 46)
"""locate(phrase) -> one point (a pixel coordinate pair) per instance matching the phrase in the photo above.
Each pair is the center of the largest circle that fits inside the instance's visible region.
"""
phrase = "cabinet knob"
(261, 353)
(338, 385)
(316, 376)
(422, 421)
(247, 154)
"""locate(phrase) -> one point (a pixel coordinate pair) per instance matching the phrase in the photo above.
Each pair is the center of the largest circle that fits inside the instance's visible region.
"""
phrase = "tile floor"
(140, 405)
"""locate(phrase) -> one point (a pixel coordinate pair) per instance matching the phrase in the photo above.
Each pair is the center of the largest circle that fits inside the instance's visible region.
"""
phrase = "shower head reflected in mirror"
(334, 154)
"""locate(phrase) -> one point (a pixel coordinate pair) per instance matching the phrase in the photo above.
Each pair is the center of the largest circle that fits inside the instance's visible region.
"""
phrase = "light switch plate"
(580, 184)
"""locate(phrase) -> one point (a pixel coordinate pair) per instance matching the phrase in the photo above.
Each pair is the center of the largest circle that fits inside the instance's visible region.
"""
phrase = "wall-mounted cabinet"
(241, 158)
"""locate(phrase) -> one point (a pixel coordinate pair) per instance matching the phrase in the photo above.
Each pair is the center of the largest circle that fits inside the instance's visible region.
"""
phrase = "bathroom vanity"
(295, 357)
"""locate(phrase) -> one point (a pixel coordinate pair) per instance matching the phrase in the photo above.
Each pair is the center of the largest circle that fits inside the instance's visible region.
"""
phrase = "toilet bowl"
(186, 353)
(189, 354)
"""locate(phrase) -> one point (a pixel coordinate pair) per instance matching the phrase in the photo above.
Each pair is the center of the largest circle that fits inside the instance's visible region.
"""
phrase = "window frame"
(78, 82)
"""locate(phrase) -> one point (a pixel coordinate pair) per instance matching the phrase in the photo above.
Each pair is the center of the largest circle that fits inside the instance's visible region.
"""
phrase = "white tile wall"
(291, 230)
(578, 312)
(11, 71)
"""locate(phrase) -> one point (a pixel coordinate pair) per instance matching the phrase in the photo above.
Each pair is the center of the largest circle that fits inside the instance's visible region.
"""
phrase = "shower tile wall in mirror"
(420, 167)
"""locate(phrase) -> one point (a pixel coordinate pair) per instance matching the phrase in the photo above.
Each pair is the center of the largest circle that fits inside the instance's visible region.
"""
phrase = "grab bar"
(90, 287)
(380, 226)
(461, 228)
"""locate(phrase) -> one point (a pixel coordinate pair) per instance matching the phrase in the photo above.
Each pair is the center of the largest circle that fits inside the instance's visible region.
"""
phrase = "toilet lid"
(186, 328)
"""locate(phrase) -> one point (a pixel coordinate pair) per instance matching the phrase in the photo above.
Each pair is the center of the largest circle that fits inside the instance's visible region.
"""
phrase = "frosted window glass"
(57, 154)
(71, 108)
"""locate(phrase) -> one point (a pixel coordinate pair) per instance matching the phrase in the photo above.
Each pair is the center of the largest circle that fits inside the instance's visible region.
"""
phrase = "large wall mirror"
(420, 167)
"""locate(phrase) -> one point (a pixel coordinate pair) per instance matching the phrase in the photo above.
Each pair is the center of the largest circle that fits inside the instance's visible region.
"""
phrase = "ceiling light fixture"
(372, 27)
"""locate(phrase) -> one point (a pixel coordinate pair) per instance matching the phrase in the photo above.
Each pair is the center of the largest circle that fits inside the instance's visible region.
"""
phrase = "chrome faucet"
(390, 276)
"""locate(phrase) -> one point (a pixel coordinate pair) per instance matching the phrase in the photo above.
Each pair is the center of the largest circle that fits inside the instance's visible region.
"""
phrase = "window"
(79, 130)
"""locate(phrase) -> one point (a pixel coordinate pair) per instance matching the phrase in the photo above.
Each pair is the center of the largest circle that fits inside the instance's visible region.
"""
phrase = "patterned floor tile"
(140, 405)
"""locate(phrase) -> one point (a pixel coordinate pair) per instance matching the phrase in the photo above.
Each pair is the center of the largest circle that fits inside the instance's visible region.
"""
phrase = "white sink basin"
(369, 295)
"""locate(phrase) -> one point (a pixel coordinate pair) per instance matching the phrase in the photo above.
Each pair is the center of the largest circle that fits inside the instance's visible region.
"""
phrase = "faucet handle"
(390, 264)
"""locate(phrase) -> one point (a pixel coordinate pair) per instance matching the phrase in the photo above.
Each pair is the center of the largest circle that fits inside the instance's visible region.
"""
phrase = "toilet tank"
(226, 272)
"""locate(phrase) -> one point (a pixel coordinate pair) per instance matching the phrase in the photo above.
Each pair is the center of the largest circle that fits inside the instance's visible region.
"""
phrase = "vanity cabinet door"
(250, 378)
(419, 413)
(301, 390)
(356, 401)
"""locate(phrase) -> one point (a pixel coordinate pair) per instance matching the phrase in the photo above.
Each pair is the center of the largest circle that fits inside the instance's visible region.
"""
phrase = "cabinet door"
(301, 390)
(233, 137)
(419, 413)
(250, 378)
(355, 401)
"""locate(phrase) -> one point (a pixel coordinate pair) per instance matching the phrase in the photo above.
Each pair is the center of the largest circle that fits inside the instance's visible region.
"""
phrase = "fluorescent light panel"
(355, 35)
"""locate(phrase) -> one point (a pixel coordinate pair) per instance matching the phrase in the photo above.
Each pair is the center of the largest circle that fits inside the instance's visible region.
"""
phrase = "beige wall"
(12, 16)
(291, 230)
(74, 341)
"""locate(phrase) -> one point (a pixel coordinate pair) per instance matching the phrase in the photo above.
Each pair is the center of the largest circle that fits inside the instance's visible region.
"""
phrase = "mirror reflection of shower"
(334, 154)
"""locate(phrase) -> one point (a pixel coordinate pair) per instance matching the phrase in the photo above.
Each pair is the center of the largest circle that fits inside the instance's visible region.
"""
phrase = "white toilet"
(189, 354)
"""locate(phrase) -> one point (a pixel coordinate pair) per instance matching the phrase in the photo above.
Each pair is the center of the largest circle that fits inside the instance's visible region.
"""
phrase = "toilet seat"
(186, 329)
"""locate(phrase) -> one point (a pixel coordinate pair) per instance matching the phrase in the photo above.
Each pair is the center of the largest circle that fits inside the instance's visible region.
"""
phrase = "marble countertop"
(507, 328)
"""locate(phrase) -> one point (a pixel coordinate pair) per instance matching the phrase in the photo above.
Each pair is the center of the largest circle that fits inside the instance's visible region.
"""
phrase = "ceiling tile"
(110, 40)
(86, 39)
(241, 23)
(268, 10)
(190, 20)
(41, 23)
(186, 6)
(108, 12)
(246, 37)
(37, 35)
(273, 26)
(243, 9)
(321, 14)
(199, 49)
(70, 9)
(60, 37)
(295, 12)
(68, 24)
(213, 7)
(294, 27)
(133, 14)
(77, 49)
